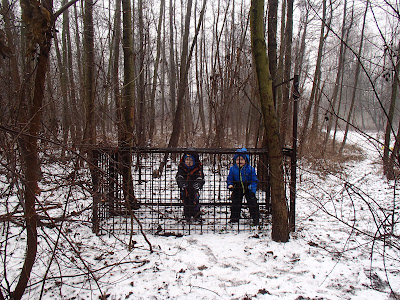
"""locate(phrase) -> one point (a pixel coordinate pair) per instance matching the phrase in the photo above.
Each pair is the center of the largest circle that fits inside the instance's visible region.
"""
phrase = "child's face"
(188, 161)
(240, 161)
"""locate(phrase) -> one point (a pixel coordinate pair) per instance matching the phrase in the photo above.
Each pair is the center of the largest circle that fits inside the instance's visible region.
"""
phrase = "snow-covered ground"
(343, 248)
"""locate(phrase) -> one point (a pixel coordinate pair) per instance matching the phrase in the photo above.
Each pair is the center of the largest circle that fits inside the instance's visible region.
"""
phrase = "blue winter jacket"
(246, 176)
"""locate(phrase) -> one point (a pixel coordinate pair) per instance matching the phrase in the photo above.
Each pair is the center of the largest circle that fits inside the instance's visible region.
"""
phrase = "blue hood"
(243, 153)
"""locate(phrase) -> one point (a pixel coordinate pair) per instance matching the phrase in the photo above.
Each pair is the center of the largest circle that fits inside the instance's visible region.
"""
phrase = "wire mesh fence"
(158, 207)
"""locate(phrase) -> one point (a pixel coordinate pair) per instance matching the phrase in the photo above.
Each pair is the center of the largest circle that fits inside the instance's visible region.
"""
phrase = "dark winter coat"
(245, 177)
(190, 178)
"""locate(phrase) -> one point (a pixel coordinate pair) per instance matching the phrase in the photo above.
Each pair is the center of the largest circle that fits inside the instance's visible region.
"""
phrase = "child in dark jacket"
(242, 181)
(190, 179)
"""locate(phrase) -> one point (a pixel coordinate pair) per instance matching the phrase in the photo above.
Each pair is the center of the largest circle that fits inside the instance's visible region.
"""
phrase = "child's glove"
(196, 186)
(198, 183)
(252, 196)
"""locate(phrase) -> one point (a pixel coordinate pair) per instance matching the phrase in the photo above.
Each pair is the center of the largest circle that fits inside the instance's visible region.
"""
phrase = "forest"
(77, 76)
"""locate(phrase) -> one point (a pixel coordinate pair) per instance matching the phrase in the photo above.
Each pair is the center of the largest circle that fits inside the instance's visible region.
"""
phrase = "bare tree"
(280, 227)
(141, 95)
(62, 62)
(184, 69)
(44, 23)
(272, 42)
(155, 72)
(315, 87)
(389, 161)
(172, 80)
(339, 73)
(126, 138)
(285, 119)
(357, 74)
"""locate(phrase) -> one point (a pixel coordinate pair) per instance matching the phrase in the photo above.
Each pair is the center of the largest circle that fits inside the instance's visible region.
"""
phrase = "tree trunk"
(317, 74)
(15, 82)
(89, 100)
(315, 125)
(61, 61)
(285, 115)
(389, 125)
(272, 43)
(184, 69)
(339, 74)
(128, 107)
(357, 74)
(172, 80)
(183, 79)
(115, 69)
(177, 124)
(155, 73)
(79, 61)
(163, 72)
(141, 104)
(199, 83)
(43, 15)
(280, 226)
(279, 72)
(302, 32)
(388, 163)
(76, 120)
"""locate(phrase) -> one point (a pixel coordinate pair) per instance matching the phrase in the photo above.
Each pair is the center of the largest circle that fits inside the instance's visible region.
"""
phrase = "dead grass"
(327, 161)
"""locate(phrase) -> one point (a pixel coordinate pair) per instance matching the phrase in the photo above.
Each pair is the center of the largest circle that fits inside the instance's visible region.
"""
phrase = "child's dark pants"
(237, 199)
(191, 206)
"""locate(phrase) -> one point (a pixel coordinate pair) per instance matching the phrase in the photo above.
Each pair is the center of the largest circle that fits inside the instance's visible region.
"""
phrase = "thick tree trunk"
(128, 107)
(89, 101)
(30, 155)
(280, 226)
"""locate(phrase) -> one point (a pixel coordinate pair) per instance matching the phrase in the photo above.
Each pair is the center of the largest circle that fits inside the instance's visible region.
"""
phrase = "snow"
(334, 253)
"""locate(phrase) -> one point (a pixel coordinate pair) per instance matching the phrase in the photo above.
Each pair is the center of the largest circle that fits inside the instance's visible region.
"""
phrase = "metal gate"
(157, 208)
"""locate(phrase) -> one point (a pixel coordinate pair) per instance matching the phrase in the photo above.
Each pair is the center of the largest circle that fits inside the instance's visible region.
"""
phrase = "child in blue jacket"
(242, 181)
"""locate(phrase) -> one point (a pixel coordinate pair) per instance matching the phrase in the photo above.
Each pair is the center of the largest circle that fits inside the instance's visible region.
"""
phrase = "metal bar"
(293, 162)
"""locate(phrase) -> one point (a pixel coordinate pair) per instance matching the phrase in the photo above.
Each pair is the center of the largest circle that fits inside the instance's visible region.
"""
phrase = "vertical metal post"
(293, 163)
(94, 169)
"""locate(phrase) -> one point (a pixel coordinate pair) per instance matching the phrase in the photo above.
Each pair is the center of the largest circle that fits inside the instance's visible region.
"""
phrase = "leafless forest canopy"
(220, 105)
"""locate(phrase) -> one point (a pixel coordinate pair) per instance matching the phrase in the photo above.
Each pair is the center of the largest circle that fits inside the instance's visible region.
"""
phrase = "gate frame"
(114, 152)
